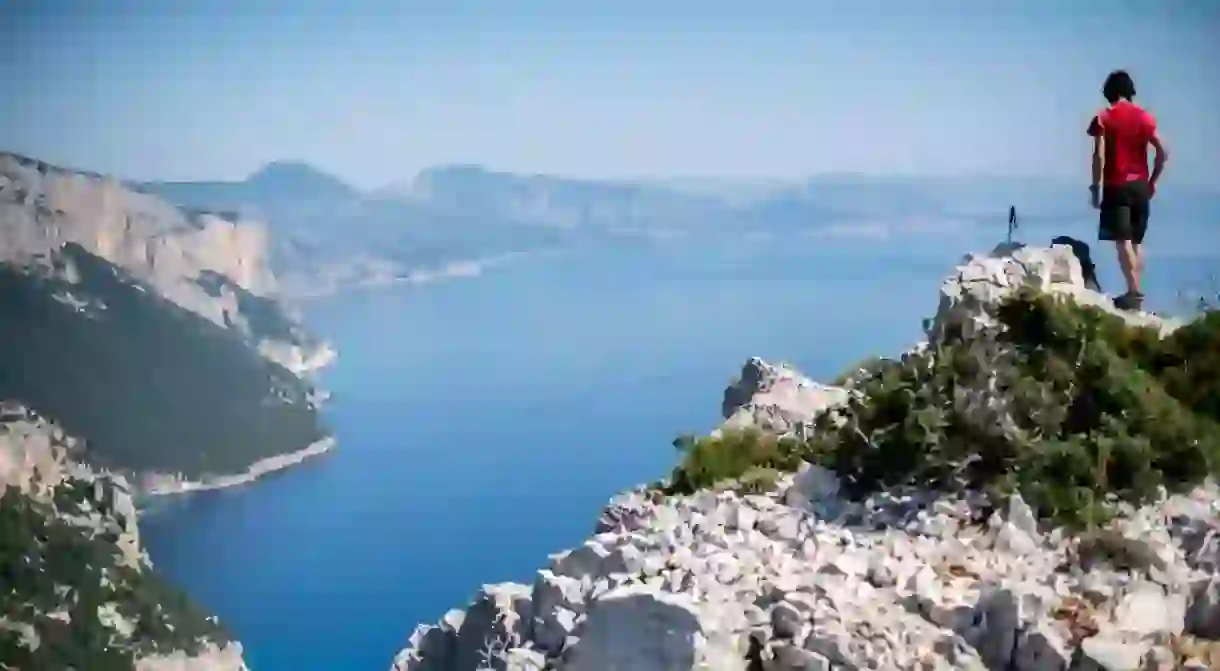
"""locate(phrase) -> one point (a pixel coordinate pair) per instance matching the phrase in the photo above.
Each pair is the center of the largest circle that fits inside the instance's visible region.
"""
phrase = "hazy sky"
(375, 90)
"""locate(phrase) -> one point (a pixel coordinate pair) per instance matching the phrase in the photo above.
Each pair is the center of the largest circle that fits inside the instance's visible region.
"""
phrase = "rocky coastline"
(141, 341)
(770, 569)
(799, 575)
(162, 484)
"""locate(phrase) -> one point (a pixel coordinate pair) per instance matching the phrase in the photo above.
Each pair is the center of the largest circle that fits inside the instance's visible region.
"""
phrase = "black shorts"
(1124, 212)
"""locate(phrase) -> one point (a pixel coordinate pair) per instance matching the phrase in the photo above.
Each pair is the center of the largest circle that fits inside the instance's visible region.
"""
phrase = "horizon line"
(662, 181)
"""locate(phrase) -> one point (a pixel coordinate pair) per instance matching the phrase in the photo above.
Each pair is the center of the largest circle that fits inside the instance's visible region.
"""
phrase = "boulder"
(775, 399)
(639, 628)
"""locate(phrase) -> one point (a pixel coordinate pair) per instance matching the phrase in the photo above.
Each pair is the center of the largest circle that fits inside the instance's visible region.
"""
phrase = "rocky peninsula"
(1030, 488)
(146, 350)
(156, 484)
(178, 316)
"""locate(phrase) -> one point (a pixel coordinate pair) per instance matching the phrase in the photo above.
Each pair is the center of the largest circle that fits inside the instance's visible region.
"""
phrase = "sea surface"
(483, 422)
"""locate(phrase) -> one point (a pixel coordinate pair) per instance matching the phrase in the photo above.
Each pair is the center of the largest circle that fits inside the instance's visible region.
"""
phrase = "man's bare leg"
(1139, 262)
(1128, 261)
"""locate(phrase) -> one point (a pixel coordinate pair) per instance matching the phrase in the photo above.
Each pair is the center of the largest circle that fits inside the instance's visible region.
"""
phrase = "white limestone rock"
(642, 629)
(800, 578)
(211, 658)
(776, 399)
(970, 295)
(865, 595)
(557, 602)
(1113, 653)
(1147, 610)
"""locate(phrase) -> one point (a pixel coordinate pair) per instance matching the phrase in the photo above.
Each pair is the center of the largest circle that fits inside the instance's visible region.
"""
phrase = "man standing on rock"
(1121, 134)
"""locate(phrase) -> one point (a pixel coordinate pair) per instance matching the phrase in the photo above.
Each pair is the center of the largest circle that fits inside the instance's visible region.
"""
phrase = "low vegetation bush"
(1100, 411)
(748, 455)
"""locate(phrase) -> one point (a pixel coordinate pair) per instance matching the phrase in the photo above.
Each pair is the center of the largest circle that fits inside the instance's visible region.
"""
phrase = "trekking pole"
(1012, 222)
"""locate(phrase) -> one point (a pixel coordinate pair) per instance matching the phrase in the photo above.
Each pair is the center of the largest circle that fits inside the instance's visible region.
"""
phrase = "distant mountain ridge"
(328, 234)
(276, 181)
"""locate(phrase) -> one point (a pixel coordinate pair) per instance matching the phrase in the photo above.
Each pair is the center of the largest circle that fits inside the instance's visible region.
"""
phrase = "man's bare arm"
(1158, 161)
(1099, 160)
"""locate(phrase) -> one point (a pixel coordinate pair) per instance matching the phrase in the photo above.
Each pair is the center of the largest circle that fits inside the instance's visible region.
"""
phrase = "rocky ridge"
(806, 577)
(79, 588)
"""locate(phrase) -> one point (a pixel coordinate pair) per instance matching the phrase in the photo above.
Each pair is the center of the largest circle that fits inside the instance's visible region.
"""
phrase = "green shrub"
(1101, 411)
(708, 461)
(758, 480)
(862, 369)
(1189, 364)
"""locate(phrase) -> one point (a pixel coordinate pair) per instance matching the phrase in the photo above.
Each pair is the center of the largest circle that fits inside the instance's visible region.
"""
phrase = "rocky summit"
(905, 519)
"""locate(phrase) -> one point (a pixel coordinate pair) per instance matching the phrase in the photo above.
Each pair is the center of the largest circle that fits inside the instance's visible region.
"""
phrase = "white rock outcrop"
(802, 579)
(720, 581)
(970, 295)
(776, 399)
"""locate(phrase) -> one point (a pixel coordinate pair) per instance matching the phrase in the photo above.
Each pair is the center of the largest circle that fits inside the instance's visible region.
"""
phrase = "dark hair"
(1118, 85)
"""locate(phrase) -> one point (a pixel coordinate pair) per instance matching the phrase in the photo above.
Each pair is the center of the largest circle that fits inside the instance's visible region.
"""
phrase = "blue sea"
(483, 422)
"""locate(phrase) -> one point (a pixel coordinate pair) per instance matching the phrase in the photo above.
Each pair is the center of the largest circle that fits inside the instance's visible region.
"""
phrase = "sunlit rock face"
(212, 264)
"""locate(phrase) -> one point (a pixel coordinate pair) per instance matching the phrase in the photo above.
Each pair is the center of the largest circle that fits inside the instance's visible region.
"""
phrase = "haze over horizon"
(376, 91)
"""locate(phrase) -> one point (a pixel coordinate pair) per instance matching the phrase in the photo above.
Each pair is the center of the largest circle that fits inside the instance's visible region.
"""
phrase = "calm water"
(482, 423)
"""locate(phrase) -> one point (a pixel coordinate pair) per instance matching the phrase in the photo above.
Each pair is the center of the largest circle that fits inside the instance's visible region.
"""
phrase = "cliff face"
(910, 519)
(151, 334)
(79, 591)
(177, 253)
(140, 343)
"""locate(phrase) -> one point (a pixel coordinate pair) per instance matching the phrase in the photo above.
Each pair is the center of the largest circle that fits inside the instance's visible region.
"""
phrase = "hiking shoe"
(1131, 302)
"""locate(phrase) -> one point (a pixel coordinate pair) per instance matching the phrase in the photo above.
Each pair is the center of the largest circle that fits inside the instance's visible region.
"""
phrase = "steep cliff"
(79, 591)
(328, 236)
(152, 334)
(1030, 488)
(213, 266)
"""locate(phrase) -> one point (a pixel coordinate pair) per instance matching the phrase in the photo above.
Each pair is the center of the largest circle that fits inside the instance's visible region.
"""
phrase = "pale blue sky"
(375, 90)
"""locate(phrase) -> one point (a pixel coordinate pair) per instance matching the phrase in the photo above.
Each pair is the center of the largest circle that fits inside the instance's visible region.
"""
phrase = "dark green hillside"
(147, 384)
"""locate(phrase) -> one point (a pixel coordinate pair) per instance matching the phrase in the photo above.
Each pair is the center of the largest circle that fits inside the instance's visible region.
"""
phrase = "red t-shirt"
(1127, 129)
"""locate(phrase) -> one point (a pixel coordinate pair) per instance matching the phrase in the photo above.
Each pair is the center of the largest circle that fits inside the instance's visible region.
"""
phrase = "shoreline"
(161, 484)
(413, 276)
